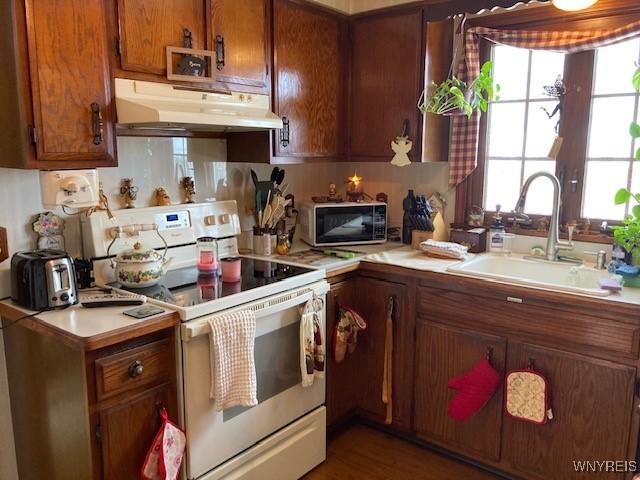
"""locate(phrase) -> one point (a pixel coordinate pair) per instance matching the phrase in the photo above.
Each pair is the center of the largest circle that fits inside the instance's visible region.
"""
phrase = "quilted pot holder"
(165, 455)
(527, 396)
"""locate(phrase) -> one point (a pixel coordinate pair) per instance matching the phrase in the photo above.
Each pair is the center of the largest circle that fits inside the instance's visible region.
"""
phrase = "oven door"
(215, 437)
(349, 224)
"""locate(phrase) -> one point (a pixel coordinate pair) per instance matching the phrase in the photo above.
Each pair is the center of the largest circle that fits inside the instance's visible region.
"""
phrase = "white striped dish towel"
(444, 249)
(233, 367)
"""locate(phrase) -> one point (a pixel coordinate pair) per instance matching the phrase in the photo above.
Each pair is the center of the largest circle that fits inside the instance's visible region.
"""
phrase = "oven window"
(277, 357)
(344, 224)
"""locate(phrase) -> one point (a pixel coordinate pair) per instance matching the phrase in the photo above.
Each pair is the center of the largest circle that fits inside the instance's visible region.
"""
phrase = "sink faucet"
(554, 244)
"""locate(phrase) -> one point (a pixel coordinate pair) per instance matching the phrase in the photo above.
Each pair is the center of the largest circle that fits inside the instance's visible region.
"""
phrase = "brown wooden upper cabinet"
(308, 80)
(56, 85)
(239, 34)
(387, 64)
(145, 28)
(236, 30)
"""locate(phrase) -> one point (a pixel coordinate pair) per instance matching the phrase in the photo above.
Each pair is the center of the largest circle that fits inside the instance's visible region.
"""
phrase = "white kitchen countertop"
(89, 328)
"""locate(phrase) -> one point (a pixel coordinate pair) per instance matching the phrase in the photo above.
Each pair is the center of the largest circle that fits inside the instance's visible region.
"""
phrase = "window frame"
(578, 76)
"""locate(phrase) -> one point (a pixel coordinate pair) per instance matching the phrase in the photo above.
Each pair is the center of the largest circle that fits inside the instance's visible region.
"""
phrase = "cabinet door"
(443, 352)
(239, 32)
(308, 80)
(592, 402)
(147, 27)
(386, 81)
(127, 430)
(342, 391)
(372, 300)
(70, 82)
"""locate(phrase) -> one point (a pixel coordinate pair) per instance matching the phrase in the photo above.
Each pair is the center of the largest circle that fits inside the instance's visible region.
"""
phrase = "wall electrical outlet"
(4, 245)
(71, 188)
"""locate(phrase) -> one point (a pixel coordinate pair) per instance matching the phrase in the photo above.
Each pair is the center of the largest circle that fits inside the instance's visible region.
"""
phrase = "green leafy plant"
(455, 97)
(627, 235)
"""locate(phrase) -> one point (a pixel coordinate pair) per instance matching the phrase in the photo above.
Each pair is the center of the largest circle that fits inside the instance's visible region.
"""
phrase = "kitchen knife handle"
(219, 52)
(98, 123)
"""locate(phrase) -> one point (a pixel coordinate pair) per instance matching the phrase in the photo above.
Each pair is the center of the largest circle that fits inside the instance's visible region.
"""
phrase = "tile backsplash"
(155, 162)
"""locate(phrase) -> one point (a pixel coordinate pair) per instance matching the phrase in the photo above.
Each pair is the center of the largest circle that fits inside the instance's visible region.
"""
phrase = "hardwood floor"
(364, 453)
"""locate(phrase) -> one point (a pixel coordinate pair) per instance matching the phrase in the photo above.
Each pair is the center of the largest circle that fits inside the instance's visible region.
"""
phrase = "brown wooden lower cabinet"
(592, 402)
(341, 389)
(443, 352)
(127, 430)
(587, 349)
(87, 414)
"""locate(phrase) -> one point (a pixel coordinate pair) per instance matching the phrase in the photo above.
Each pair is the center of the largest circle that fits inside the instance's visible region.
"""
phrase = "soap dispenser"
(497, 233)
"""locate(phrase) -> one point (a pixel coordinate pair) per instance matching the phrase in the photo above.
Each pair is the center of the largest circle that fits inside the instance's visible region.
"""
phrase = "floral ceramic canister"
(49, 228)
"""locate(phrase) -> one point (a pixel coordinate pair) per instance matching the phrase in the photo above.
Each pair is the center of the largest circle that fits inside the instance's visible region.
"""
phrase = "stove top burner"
(186, 287)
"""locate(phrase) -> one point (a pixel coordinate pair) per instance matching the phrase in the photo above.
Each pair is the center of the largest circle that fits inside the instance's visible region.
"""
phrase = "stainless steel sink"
(562, 277)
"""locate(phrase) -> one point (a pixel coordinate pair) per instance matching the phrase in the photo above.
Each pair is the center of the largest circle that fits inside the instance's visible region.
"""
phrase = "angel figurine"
(401, 146)
(189, 187)
(162, 197)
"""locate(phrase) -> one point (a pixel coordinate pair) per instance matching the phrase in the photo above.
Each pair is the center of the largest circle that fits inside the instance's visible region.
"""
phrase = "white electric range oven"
(283, 436)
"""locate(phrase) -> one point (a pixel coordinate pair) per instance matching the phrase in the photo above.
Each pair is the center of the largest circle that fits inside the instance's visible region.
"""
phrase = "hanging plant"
(456, 97)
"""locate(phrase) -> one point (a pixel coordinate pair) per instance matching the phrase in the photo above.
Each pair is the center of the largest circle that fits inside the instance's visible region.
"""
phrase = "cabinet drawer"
(141, 366)
(574, 329)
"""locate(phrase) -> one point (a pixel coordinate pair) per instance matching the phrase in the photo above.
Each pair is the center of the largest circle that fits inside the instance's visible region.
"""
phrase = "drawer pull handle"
(136, 369)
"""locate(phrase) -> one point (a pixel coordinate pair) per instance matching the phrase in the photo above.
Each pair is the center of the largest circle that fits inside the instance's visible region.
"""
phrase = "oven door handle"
(262, 308)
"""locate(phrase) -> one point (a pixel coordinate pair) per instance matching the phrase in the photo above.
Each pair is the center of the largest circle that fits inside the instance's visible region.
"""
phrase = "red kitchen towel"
(474, 389)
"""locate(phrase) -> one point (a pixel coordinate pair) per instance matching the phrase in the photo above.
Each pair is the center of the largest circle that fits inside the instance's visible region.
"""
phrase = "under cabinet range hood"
(165, 106)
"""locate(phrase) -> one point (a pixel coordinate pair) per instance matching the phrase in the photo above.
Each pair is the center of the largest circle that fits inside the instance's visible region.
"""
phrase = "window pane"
(506, 129)
(545, 69)
(510, 67)
(540, 129)
(540, 195)
(615, 67)
(609, 132)
(603, 179)
(503, 184)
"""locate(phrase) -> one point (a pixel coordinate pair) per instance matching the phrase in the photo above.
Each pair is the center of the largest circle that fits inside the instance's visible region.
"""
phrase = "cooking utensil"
(254, 177)
(274, 175)
(280, 178)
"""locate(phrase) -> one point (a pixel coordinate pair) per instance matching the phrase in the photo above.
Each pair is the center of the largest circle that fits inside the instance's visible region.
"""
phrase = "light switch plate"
(4, 245)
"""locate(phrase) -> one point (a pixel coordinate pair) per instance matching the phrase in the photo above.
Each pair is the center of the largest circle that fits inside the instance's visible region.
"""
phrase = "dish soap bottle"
(497, 233)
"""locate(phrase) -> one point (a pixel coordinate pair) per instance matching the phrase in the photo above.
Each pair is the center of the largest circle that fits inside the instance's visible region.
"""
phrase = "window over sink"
(597, 157)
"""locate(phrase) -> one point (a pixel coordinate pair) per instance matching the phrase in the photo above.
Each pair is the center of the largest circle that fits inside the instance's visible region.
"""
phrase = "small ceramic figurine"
(401, 146)
(332, 191)
(129, 192)
(162, 198)
(189, 187)
(49, 227)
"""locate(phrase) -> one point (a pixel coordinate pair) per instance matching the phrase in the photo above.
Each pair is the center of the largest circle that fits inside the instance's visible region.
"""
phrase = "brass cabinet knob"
(136, 369)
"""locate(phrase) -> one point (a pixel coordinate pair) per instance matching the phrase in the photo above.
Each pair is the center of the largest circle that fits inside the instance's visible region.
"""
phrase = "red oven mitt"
(474, 389)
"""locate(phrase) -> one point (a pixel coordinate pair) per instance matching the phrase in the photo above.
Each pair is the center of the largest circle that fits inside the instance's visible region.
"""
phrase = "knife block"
(419, 236)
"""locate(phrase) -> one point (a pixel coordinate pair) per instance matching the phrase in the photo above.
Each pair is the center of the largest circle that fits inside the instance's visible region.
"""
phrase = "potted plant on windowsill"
(455, 97)
(627, 235)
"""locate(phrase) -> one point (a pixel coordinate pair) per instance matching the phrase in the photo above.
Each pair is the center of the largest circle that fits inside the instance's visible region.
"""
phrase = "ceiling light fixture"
(573, 5)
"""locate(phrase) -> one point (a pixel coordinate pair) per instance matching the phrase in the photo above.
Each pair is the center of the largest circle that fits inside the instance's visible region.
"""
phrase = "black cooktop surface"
(187, 286)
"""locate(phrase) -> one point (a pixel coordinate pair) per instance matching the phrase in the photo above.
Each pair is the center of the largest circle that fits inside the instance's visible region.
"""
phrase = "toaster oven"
(347, 223)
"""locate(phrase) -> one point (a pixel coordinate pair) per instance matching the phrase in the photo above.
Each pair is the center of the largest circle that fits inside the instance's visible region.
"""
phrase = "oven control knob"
(225, 219)
(210, 220)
